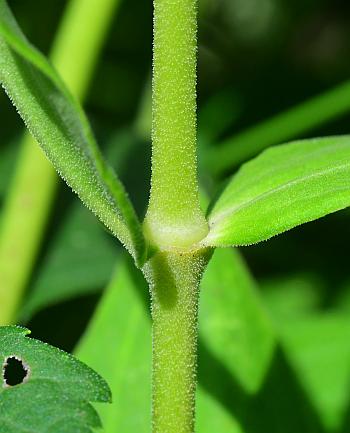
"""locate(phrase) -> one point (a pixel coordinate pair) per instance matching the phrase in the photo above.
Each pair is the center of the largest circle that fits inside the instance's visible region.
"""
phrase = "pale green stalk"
(174, 283)
(32, 190)
(174, 216)
(174, 223)
(142, 123)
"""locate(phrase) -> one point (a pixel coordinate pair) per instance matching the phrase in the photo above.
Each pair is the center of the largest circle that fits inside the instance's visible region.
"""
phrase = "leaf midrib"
(234, 209)
(317, 154)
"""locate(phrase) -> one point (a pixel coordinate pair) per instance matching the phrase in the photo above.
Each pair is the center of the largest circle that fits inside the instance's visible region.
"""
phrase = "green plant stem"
(174, 223)
(142, 125)
(174, 282)
(285, 126)
(174, 217)
(31, 193)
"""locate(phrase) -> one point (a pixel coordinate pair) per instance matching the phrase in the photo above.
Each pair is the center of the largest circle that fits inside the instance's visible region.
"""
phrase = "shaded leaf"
(121, 328)
(233, 322)
(55, 394)
(293, 295)
(212, 417)
(59, 125)
(282, 188)
(317, 347)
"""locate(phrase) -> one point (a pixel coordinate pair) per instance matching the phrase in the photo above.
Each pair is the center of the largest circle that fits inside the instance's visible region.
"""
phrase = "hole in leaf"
(15, 371)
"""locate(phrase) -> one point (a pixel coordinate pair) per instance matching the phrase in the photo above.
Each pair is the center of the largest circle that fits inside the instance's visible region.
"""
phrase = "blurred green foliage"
(256, 59)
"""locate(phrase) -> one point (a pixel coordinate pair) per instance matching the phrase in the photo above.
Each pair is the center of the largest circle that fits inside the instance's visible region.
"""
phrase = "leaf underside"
(59, 125)
(283, 187)
(56, 393)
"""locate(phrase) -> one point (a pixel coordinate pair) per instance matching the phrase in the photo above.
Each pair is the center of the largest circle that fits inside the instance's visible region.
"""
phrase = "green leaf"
(233, 322)
(55, 393)
(121, 328)
(81, 257)
(282, 188)
(317, 347)
(59, 125)
(293, 295)
(80, 261)
(211, 416)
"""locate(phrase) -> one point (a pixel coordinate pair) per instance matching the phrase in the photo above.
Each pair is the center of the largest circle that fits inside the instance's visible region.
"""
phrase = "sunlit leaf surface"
(282, 188)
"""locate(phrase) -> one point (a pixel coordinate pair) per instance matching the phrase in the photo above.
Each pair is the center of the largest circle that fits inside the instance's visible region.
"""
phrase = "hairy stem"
(33, 187)
(174, 217)
(174, 283)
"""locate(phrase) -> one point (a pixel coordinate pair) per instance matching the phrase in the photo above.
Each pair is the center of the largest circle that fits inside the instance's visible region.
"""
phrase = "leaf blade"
(57, 391)
(312, 344)
(232, 321)
(59, 125)
(283, 187)
(128, 364)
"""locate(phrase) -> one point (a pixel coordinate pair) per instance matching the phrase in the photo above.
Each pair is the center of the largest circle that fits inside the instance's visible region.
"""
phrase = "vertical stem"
(174, 222)
(174, 281)
(32, 190)
(174, 216)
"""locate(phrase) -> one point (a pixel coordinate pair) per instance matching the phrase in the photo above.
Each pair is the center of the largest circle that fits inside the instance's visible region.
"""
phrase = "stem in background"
(285, 126)
(174, 217)
(31, 193)
(174, 283)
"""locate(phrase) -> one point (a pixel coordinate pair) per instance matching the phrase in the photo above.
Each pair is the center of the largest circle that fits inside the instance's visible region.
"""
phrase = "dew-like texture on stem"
(282, 188)
(128, 366)
(56, 393)
(174, 216)
(59, 125)
(174, 284)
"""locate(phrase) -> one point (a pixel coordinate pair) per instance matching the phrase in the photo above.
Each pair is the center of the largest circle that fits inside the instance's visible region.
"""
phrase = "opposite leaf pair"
(280, 189)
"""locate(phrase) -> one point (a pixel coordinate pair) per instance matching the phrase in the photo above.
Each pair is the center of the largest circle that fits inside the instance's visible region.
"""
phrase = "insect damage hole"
(14, 371)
